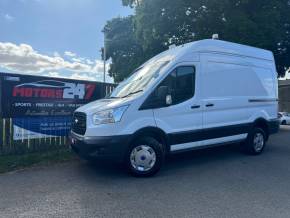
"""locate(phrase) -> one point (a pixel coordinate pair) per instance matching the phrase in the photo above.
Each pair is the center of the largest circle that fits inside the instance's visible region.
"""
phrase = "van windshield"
(139, 80)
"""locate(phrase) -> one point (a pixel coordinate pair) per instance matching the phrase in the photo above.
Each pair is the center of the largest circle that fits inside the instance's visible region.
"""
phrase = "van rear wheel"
(256, 141)
(145, 157)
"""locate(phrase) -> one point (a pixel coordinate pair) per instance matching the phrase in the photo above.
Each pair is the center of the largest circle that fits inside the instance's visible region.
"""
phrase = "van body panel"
(240, 80)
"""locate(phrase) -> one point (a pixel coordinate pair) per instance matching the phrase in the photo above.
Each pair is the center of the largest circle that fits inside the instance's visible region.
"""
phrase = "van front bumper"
(100, 147)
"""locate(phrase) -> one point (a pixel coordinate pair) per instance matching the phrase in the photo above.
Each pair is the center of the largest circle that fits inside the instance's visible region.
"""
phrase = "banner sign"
(30, 96)
(40, 127)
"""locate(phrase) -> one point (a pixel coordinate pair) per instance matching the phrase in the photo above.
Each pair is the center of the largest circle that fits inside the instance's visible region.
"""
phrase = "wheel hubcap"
(259, 141)
(143, 158)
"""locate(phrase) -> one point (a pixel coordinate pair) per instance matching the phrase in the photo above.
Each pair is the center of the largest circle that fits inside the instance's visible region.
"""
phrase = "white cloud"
(52, 74)
(79, 60)
(88, 61)
(75, 58)
(69, 54)
(80, 76)
(83, 76)
(8, 17)
(24, 59)
(90, 76)
(99, 66)
(56, 54)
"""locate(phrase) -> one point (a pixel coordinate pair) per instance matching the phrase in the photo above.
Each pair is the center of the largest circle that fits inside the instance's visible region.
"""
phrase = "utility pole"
(104, 57)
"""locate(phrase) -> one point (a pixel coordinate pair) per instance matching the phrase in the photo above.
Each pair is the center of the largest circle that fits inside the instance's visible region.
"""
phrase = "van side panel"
(230, 82)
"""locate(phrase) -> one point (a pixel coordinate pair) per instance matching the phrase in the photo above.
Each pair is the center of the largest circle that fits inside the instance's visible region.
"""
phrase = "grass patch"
(15, 162)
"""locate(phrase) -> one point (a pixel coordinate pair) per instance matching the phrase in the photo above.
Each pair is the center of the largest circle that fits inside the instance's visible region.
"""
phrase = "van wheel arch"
(263, 124)
(153, 132)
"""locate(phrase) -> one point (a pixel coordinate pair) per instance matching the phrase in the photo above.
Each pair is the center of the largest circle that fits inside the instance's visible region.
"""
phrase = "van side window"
(181, 87)
(181, 83)
(185, 85)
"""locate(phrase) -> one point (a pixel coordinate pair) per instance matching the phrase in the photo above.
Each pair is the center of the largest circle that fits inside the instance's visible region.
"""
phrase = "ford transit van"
(193, 96)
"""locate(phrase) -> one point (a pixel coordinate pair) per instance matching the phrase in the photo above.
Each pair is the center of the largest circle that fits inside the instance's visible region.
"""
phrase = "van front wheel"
(145, 157)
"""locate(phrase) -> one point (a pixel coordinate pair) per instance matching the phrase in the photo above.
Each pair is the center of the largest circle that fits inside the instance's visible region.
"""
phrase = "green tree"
(159, 23)
(131, 3)
(122, 47)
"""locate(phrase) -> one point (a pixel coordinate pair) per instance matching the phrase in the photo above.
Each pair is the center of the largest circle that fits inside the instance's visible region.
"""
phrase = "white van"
(200, 94)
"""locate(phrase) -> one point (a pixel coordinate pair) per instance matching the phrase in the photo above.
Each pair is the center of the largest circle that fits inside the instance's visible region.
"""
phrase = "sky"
(59, 38)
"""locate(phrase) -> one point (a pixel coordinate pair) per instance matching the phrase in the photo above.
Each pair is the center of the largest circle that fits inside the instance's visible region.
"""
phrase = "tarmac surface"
(219, 182)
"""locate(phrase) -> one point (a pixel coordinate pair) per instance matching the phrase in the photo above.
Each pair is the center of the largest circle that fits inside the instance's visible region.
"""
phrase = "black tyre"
(283, 122)
(255, 142)
(145, 157)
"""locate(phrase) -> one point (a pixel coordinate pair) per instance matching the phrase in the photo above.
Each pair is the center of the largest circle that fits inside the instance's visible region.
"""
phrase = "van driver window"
(181, 83)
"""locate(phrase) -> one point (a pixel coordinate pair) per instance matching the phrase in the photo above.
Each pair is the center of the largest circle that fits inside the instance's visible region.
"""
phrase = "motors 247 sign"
(25, 96)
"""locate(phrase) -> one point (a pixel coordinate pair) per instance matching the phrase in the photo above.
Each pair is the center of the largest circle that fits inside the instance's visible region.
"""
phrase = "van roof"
(210, 45)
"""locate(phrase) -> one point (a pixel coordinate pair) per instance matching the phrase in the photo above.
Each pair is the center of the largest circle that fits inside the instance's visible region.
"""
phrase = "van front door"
(181, 114)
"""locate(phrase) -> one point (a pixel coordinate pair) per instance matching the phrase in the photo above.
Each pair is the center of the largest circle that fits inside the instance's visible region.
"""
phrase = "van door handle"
(195, 106)
(209, 105)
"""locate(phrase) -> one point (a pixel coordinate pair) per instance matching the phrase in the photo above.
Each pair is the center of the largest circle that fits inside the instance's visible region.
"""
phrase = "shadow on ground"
(173, 164)
(180, 162)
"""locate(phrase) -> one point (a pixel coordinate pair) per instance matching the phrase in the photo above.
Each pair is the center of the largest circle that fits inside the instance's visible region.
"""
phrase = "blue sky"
(61, 36)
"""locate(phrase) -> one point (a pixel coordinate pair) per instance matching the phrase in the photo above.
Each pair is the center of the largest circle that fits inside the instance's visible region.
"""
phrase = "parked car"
(193, 96)
(284, 118)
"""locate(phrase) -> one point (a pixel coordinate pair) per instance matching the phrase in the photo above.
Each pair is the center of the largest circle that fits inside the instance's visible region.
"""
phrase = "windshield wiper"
(112, 97)
(131, 93)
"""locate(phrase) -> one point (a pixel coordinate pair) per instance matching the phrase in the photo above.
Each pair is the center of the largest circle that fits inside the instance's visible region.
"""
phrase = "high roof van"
(193, 96)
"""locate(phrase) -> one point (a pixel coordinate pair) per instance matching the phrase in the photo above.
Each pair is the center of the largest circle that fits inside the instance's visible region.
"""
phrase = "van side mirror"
(164, 95)
(168, 99)
(162, 91)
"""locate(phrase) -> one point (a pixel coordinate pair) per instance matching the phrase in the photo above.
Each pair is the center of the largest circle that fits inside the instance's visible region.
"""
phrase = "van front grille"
(79, 123)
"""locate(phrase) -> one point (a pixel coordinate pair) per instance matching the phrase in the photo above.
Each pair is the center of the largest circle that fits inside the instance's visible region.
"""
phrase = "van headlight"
(109, 116)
